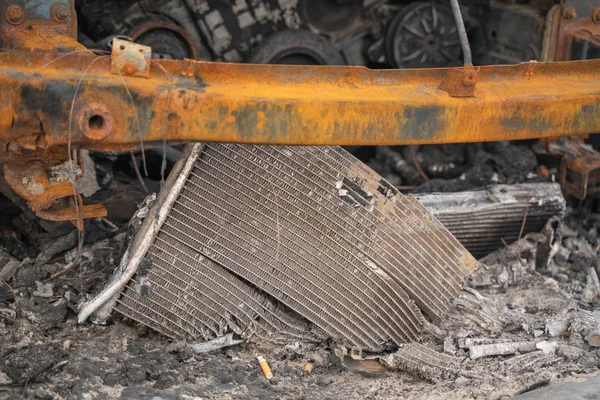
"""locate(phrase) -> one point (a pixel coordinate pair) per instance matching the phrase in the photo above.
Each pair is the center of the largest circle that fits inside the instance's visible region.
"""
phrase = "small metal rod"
(462, 33)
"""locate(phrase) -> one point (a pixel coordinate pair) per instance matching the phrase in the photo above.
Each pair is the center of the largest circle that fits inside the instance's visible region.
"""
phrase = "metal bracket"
(130, 58)
(32, 183)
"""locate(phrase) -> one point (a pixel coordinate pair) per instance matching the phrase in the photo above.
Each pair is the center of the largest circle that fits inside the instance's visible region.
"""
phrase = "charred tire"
(296, 47)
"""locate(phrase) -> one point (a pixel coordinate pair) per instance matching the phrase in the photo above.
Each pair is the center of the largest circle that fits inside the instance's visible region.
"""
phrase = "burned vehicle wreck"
(176, 195)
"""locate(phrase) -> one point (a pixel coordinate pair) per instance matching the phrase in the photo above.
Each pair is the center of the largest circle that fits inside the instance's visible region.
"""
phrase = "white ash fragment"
(215, 344)
(65, 172)
(449, 346)
(501, 349)
(547, 347)
(557, 327)
(592, 287)
(87, 184)
(85, 181)
(43, 289)
(467, 343)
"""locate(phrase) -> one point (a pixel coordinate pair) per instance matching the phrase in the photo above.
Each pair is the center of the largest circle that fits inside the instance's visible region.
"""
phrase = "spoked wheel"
(423, 34)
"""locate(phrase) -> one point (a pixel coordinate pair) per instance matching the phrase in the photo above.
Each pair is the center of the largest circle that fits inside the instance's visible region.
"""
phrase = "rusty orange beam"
(293, 105)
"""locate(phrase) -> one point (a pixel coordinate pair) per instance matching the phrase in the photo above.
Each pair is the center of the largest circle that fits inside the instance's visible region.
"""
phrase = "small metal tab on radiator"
(301, 241)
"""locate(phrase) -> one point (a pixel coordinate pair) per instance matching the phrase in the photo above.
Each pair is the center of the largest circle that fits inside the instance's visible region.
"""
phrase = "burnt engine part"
(299, 47)
(482, 219)
(513, 35)
(423, 34)
(254, 230)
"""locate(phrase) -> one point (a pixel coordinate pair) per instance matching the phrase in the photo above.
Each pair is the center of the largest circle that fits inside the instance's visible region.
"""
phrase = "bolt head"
(60, 12)
(129, 68)
(596, 16)
(569, 12)
(14, 14)
(469, 78)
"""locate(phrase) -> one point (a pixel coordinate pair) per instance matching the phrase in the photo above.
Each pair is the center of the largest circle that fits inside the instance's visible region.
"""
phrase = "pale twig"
(524, 220)
(63, 271)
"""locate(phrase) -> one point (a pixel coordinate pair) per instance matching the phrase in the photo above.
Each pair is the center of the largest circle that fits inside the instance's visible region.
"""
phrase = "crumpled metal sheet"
(305, 241)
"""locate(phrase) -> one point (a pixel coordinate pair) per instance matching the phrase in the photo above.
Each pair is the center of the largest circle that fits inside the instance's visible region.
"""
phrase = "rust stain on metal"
(31, 182)
(288, 105)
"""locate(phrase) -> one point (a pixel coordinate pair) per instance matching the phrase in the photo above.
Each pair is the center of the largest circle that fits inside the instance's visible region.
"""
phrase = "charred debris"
(527, 308)
(465, 270)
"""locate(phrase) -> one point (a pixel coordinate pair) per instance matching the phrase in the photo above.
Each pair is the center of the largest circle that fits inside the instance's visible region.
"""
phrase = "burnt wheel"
(423, 34)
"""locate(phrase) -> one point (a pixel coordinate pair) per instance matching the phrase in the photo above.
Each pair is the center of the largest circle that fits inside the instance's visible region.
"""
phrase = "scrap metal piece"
(130, 58)
(567, 23)
(32, 183)
(282, 104)
(255, 232)
(580, 169)
(481, 219)
(423, 361)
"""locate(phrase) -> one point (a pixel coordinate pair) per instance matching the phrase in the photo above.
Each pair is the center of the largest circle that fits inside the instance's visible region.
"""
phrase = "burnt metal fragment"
(257, 239)
(481, 219)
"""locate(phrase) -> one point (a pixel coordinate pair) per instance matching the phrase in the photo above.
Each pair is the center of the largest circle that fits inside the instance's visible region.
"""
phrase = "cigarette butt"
(308, 368)
(265, 367)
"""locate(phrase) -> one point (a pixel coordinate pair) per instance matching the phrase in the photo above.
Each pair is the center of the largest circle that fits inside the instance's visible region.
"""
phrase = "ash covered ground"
(542, 312)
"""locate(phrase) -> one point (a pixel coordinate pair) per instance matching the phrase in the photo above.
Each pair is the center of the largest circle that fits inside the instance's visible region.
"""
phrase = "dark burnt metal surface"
(482, 219)
(309, 229)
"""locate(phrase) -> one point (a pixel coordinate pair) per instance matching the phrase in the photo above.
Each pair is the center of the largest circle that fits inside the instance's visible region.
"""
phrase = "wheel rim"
(424, 35)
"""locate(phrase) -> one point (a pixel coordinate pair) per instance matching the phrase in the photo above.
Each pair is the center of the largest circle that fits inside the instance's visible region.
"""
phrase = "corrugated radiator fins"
(301, 241)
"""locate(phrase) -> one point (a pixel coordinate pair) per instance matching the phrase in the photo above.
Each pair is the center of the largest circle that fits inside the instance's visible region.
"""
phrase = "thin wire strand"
(92, 51)
(163, 166)
(137, 121)
(69, 153)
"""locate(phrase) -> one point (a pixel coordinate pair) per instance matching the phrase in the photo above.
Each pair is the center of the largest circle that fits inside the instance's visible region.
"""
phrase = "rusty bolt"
(596, 16)
(469, 78)
(60, 12)
(129, 68)
(569, 12)
(14, 147)
(14, 14)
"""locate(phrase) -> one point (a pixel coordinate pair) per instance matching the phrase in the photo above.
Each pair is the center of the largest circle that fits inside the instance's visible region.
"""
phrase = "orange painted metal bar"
(294, 105)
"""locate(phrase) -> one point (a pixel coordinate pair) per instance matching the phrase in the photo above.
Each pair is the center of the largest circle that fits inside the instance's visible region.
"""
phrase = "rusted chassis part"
(197, 101)
(56, 96)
